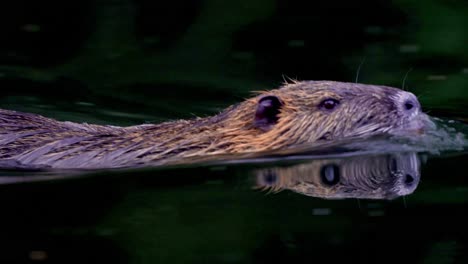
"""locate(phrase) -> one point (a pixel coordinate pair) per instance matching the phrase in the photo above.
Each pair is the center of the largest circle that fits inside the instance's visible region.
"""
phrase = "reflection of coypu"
(298, 113)
(376, 177)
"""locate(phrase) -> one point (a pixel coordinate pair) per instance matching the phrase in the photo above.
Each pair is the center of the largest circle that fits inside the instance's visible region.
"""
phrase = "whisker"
(424, 94)
(289, 80)
(359, 69)
(359, 204)
(285, 81)
(404, 79)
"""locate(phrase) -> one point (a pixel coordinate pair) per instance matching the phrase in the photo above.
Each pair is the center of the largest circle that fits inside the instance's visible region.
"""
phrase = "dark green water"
(129, 62)
(235, 214)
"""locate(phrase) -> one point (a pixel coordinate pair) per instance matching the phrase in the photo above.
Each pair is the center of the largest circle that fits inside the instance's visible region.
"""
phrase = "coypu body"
(295, 114)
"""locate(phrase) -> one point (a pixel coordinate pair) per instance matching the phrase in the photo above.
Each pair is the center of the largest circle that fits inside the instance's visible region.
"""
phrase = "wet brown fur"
(364, 110)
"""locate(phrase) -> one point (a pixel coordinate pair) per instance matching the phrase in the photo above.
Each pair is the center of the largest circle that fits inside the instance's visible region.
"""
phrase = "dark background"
(128, 62)
(154, 60)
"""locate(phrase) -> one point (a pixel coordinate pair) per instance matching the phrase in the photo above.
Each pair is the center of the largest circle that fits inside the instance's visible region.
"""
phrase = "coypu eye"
(267, 112)
(329, 104)
(330, 174)
(409, 105)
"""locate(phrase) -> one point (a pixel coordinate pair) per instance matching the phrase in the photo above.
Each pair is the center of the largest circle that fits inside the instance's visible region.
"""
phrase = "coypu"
(294, 114)
(386, 176)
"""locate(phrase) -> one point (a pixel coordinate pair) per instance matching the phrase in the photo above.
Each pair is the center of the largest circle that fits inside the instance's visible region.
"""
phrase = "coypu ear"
(268, 108)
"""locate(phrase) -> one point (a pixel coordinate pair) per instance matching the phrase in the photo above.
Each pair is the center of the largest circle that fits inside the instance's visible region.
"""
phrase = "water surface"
(127, 62)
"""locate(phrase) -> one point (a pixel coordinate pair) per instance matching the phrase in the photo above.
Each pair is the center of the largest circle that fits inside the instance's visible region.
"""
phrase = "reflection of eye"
(269, 177)
(330, 174)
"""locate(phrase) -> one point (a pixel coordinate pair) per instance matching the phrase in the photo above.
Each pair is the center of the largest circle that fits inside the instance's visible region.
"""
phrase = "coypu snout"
(413, 119)
(408, 103)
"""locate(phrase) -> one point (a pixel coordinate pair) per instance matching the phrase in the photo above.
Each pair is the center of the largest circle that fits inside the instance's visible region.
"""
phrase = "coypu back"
(295, 114)
(30, 139)
(28, 135)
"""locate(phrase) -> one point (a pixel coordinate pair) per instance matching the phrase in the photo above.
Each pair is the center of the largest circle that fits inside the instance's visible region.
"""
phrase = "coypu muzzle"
(413, 119)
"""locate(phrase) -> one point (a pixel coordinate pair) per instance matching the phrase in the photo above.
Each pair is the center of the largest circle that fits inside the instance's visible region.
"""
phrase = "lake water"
(126, 62)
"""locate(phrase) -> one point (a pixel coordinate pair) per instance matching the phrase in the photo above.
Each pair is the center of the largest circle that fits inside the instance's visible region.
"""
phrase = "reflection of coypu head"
(298, 113)
(377, 177)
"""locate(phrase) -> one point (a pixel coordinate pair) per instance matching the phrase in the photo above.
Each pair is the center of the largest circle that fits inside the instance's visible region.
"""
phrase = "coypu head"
(323, 110)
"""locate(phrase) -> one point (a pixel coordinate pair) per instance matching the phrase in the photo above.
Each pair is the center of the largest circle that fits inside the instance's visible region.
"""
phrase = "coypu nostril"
(408, 102)
(409, 179)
